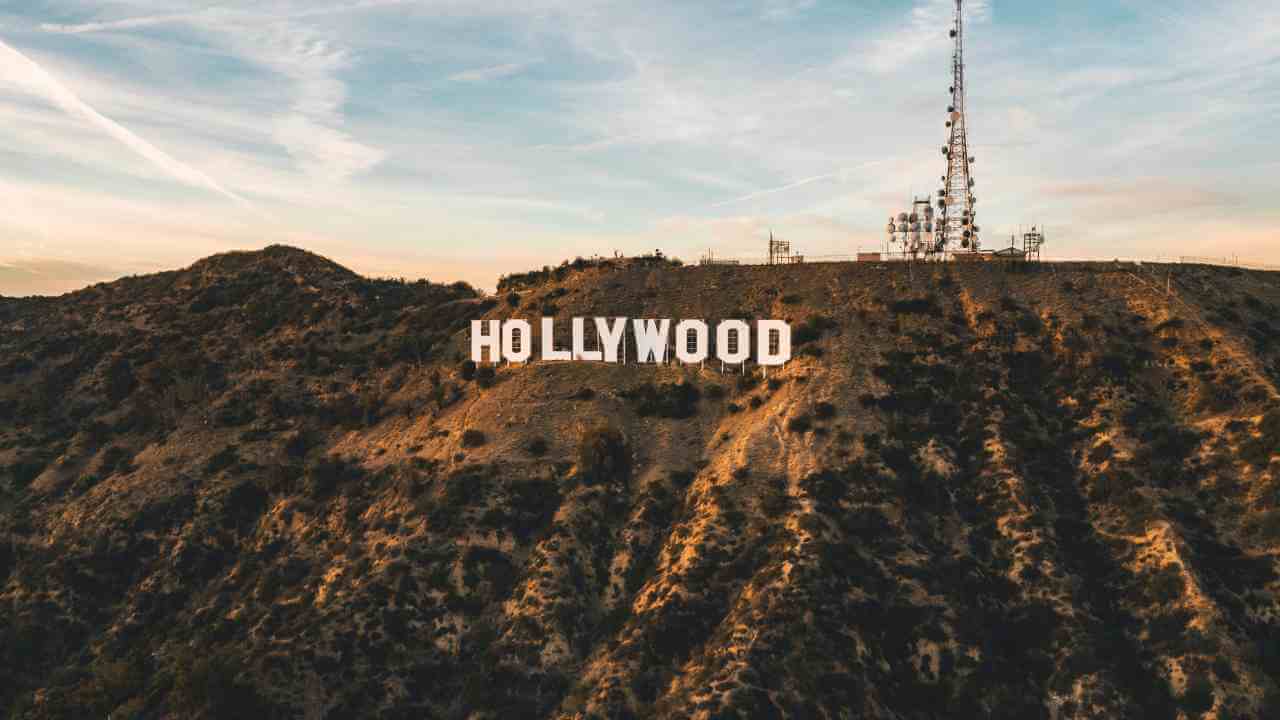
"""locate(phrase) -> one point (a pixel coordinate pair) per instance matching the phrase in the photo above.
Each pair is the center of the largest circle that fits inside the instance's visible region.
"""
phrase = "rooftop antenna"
(957, 231)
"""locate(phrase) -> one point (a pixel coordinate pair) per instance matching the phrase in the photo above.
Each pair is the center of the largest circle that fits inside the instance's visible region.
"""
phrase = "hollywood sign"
(512, 340)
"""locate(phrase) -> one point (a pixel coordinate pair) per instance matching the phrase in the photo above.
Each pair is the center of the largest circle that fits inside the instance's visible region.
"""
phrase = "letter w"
(651, 339)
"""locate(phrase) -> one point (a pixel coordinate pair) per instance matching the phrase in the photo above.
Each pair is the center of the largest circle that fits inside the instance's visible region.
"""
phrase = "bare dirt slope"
(266, 487)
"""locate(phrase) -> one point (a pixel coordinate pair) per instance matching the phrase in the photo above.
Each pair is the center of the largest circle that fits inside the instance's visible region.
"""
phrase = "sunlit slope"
(264, 485)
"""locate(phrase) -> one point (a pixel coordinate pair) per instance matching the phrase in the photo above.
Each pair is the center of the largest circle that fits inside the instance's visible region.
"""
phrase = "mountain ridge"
(265, 485)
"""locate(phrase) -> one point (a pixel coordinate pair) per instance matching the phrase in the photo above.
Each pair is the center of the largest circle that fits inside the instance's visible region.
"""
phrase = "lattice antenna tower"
(957, 230)
(779, 250)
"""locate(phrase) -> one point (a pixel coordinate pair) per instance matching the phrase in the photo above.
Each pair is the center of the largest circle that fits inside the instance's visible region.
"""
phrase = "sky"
(464, 139)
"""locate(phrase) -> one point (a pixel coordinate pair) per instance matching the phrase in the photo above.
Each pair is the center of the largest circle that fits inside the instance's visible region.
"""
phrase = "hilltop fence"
(1155, 260)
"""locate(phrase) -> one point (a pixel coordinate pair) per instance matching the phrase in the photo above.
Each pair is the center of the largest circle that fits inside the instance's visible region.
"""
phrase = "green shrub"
(84, 484)
(811, 330)
(926, 305)
(119, 381)
(207, 684)
(299, 443)
(27, 470)
(1165, 585)
(221, 460)
(799, 424)
(602, 452)
(325, 474)
(668, 400)
(1197, 699)
(1265, 526)
(1258, 451)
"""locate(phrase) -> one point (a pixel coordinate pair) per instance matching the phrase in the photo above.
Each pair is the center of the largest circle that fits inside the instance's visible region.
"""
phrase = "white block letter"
(580, 351)
(691, 341)
(480, 340)
(737, 349)
(549, 351)
(651, 339)
(517, 341)
(773, 342)
(610, 337)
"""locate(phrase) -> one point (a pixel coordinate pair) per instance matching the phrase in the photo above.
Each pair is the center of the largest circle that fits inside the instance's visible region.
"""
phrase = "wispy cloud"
(493, 72)
(24, 73)
(311, 128)
(783, 9)
(133, 23)
(842, 175)
(928, 22)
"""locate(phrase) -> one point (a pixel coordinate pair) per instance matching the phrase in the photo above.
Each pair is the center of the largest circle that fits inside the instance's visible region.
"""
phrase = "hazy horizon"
(463, 140)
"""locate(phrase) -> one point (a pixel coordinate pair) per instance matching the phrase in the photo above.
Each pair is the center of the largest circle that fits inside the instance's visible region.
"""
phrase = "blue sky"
(460, 139)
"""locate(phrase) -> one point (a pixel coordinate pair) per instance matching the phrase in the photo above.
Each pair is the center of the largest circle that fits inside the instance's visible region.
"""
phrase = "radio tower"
(956, 231)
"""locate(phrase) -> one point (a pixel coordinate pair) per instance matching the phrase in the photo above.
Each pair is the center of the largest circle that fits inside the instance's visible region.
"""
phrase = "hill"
(264, 486)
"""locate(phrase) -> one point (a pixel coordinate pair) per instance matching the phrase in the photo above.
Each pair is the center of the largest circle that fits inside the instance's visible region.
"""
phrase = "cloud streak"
(493, 72)
(125, 24)
(842, 175)
(283, 43)
(25, 73)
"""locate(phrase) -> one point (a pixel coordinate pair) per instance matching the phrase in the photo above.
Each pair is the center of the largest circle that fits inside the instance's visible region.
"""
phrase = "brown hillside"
(264, 486)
